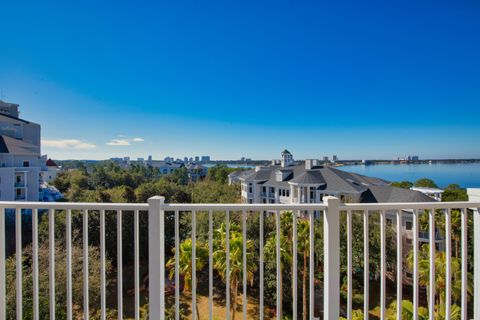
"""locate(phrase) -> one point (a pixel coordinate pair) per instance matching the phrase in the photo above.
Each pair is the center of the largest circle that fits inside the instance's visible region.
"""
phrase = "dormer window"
(26, 163)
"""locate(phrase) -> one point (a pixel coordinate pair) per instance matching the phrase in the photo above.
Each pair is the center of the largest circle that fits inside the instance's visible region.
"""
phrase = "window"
(264, 200)
(19, 192)
(408, 225)
(272, 190)
(26, 163)
(18, 179)
(288, 193)
(250, 200)
(264, 189)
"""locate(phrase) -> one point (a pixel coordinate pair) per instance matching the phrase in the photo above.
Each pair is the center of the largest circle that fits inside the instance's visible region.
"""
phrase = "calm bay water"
(467, 175)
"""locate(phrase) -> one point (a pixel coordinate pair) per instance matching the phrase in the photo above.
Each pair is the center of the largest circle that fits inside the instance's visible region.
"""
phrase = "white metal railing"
(156, 209)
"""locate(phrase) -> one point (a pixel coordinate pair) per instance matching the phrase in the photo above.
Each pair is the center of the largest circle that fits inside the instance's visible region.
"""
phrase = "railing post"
(331, 254)
(474, 196)
(156, 258)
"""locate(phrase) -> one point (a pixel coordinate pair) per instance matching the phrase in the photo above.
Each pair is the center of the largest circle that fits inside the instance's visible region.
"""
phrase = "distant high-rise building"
(127, 159)
(325, 159)
(141, 160)
(335, 158)
(415, 158)
(150, 158)
(185, 159)
(205, 159)
(197, 159)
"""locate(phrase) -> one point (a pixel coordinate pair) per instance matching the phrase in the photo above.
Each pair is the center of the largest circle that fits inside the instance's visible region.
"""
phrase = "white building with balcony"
(289, 182)
(20, 160)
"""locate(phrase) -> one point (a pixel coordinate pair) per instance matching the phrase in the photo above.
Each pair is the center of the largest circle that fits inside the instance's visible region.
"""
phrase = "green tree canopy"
(425, 183)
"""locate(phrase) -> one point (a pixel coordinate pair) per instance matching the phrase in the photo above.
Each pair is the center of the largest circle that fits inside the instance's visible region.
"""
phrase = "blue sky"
(360, 79)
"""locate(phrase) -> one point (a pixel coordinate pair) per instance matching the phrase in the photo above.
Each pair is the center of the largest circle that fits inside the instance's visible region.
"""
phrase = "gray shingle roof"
(393, 194)
(312, 177)
(15, 146)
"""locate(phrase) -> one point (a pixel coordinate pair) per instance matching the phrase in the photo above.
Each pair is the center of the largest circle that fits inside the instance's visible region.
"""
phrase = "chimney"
(308, 164)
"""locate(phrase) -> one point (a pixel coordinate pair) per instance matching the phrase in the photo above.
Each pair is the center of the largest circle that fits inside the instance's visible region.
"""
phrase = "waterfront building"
(165, 167)
(434, 193)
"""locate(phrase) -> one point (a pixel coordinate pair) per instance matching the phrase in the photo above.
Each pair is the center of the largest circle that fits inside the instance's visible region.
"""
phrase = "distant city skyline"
(360, 80)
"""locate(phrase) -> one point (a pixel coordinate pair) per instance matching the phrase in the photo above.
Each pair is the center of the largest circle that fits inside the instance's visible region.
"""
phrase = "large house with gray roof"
(287, 181)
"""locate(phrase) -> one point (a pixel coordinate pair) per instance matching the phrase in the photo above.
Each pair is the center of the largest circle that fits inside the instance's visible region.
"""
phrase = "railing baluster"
(295, 265)
(431, 302)
(349, 265)
(382, 265)
(415, 264)
(194, 265)
(312, 263)
(227, 255)
(177, 265)
(261, 267)
(103, 294)
(210, 265)
(51, 261)
(86, 312)
(19, 267)
(399, 264)
(119, 266)
(3, 304)
(366, 271)
(244, 237)
(464, 264)
(279, 265)
(448, 267)
(36, 313)
(69, 264)
(136, 263)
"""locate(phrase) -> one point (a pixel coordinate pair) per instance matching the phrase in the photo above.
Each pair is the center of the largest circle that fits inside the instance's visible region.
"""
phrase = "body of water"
(467, 175)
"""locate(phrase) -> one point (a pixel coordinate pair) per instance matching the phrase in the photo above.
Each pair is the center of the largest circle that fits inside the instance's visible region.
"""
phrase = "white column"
(156, 258)
(331, 249)
(474, 196)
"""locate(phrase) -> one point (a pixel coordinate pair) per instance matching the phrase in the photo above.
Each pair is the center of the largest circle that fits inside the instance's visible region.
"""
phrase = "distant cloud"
(123, 142)
(67, 144)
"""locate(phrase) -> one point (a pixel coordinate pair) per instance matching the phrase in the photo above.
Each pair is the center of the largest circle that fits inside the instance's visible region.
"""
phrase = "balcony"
(322, 278)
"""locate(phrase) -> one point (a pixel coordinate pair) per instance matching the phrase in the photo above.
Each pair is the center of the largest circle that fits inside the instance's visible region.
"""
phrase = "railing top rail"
(409, 205)
(236, 206)
(241, 206)
(73, 205)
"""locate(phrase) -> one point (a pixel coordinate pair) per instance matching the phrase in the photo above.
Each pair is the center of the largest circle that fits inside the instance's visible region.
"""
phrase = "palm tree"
(185, 263)
(270, 253)
(303, 230)
(440, 276)
(235, 259)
